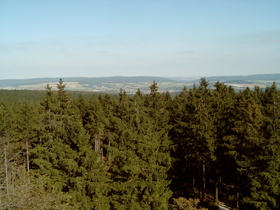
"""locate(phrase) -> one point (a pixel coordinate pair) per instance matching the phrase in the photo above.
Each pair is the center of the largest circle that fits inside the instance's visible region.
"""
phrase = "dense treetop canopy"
(141, 151)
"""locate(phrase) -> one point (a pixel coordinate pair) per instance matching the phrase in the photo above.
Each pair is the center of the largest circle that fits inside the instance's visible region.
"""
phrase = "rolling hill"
(132, 84)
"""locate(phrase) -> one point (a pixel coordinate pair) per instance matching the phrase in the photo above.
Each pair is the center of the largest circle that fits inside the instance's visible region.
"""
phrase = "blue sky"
(169, 38)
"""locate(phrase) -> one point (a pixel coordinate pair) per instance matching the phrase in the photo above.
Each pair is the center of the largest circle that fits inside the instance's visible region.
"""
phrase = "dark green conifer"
(140, 156)
(249, 153)
(224, 103)
(66, 156)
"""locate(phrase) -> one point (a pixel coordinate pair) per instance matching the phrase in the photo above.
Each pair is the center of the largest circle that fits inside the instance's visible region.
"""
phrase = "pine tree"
(158, 145)
(140, 158)
(8, 148)
(126, 165)
(266, 193)
(224, 103)
(248, 151)
(27, 128)
(65, 155)
(179, 118)
(198, 134)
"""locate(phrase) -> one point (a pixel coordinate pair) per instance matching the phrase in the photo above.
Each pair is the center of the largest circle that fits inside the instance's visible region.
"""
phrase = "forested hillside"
(142, 151)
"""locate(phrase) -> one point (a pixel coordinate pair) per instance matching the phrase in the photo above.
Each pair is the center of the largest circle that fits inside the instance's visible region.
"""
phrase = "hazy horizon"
(166, 77)
(181, 38)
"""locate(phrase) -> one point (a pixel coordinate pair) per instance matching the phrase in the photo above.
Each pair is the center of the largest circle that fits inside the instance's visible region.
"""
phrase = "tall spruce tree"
(179, 118)
(65, 156)
(7, 151)
(224, 103)
(247, 143)
(27, 129)
(127, 186)
(140, 155)
(158, 144)
(267, 181)
(201, 140)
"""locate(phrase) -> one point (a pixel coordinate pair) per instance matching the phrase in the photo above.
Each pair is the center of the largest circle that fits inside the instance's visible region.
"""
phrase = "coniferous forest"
(142, 151)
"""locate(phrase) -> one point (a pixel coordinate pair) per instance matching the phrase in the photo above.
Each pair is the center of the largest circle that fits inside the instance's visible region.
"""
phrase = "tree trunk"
(237, 199)
(6, 172)
(217, 190)
(108, 152)
(216, 193)
(203, 182)
(27, 162)
(27, 157)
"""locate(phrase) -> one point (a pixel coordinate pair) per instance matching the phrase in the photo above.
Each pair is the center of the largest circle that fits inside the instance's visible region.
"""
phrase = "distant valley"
(132, 84)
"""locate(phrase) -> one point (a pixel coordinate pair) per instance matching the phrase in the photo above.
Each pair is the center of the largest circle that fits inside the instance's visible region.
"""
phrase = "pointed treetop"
(203, 83)
(154, 87)
(61, 86)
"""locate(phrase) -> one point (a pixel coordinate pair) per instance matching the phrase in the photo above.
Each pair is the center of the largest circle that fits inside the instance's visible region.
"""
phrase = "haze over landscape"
(138, 38)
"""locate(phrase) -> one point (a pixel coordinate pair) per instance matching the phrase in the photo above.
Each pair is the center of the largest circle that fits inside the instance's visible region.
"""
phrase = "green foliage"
(64, 153)
(186, 204)
(13, 97)
(135, 152)
(140, 157)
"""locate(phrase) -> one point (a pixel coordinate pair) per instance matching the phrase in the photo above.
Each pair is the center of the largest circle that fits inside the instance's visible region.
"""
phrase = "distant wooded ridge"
(114, 83)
